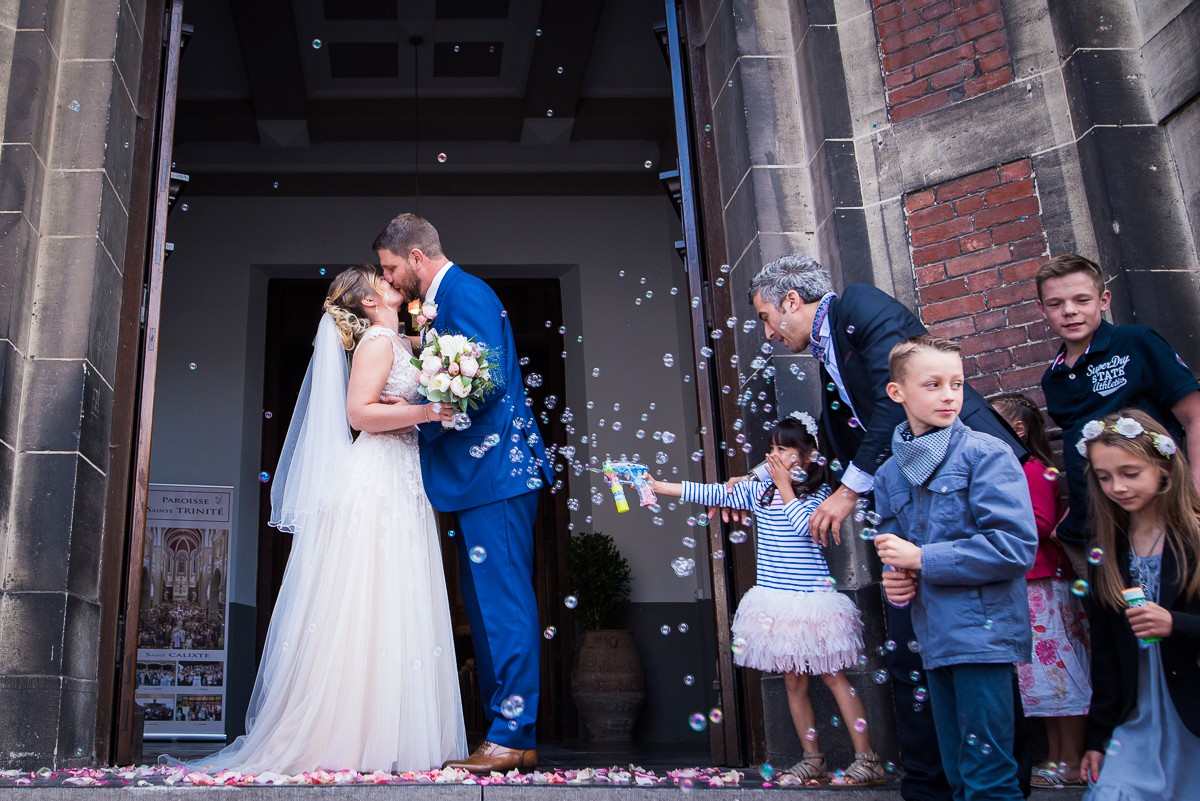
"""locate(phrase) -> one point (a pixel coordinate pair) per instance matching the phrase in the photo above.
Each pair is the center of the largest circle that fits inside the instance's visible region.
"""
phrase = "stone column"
(68, 80)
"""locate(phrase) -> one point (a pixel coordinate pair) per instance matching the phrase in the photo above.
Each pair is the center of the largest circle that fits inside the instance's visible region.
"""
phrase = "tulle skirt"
(789, 631)
(359, 669)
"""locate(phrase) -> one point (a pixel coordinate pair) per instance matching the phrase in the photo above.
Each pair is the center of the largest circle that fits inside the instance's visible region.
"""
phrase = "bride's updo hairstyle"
(344, 301)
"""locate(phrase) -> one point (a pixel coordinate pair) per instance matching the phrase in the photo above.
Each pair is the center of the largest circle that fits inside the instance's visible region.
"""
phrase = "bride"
(358, 671)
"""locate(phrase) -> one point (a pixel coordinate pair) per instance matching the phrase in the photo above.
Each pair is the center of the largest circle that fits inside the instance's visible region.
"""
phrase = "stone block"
(1173, 80)
(720, 52)
(729, 133)
(1169, 302)
(842, 167)
(776, 136)
(783, 199)
(31, 90)
(21, 177)
(39, 537)
(72, 202)
(12, 374)
(122, 115)
(37, 14)
(826, 83)
(29, 729)
(53, 399)
(862, 71)
(33, 626)
(95, 418)
(799, 391)
(18, 258)
(137, 13)
(1114, 86)
(853, 246)
(1183, 131)
(80, 127)
(1102, 23)
(92, 31)
(763, 29)
(8, 461)
(105, 316)
(87, 532)
(77, 723)
(1065, 216)
(741, 223)
(81, 641)
(773, 245)
(128, 53)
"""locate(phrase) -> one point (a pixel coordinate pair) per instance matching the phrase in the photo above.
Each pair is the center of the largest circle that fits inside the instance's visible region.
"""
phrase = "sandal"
(864, 771)
(1043, 777)
(811, 769)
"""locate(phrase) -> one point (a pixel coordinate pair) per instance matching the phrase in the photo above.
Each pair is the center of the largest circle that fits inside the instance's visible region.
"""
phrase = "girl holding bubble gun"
(793, 621)
(1143, 728)
(630, 473)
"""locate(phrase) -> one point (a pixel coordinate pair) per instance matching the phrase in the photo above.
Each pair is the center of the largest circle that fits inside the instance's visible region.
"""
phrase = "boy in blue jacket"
(959, 537)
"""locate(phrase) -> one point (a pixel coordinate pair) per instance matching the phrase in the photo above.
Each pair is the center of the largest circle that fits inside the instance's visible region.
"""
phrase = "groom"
(495, 495)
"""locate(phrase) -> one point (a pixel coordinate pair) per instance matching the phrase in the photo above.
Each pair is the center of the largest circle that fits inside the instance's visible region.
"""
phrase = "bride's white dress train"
(359, 670)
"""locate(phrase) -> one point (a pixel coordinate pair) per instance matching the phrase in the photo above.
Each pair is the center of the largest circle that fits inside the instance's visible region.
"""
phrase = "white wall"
(208, 420)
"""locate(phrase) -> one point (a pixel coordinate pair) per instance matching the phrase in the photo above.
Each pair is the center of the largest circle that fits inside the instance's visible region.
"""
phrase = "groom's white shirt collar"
(431, 295)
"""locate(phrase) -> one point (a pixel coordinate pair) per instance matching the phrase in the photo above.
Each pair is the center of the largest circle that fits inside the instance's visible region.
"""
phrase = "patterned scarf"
(919, 457)
(818, 350)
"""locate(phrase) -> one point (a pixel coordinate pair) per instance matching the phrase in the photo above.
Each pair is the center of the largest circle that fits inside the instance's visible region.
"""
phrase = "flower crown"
(810, 425)
(1130, 429)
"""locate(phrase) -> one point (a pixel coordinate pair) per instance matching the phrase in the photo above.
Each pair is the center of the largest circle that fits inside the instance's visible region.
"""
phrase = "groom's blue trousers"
(502, 608)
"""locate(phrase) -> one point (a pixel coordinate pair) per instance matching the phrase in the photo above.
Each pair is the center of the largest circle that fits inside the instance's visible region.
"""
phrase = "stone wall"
(70, 71)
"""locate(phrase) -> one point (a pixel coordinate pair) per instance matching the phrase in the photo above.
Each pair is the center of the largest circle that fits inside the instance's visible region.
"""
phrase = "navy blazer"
(454, 479)
(1115, 655)
(865, 323)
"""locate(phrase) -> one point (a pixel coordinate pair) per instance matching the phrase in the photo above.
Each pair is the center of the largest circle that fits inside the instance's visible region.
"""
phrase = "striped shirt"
(788, 558)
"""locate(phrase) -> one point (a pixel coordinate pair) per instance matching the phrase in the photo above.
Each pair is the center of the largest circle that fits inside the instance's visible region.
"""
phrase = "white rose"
(424, 379)
(1128, 427)
(468, 366)
(460, 387)
(1164, 445)
(439, 382)
(452, 345)
(1093, 429)
(431, 365)
(1081, 446)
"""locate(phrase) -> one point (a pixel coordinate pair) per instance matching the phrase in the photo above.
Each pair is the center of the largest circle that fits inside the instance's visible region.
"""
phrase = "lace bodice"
(402, 379)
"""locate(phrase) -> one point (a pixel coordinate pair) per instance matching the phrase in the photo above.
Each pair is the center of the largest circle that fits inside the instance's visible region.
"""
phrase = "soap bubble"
(441, 157)
(810, 734)
(988, 624)
(972, 739)
(738, 645)
(1113, 747)
(716, 715)
(268, 415)
(533, 482)
(1095, 556)
(570, 602)
(316, 43)
(667, 437)
(550, 632)
(192, 366)
(664, 630)
(533, 380)
(737, 537)
(920, 693)
(914, 675)
(478, 554)
(512, 706)
(688, 542)
(767, 771)
(74, 105)
(264, 477)
(835, 721)
(698, 722)
(860, 724)
(1079, 587)
(683, 628)
(668, 360)
(880, 676)
(683, 566)
(1050, 474)
(462, 421)
(689, 680)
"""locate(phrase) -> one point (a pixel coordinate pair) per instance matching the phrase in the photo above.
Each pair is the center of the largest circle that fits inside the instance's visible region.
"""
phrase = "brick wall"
(976, 243)
(936, 52)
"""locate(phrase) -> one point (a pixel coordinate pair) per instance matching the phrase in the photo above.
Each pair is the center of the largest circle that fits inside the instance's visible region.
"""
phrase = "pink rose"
(421, 320)
(453, 368)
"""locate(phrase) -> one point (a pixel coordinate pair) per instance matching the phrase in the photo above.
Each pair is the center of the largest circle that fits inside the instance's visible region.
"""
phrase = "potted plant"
(607, 683)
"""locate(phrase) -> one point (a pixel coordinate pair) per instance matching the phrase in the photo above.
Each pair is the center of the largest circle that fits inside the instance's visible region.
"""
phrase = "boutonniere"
(423, 313)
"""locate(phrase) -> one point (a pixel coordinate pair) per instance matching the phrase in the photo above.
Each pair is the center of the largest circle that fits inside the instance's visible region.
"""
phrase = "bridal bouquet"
(455, 370)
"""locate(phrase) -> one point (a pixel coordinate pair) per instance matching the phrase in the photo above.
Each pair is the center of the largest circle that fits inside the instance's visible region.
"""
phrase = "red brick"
(887, 12)
(896, 25)
(916, 6)
(976, 241)
(987, 279)
(929, 274)
(969, 204)
(958, 307)
(940, 61)
(1040, 331)
(1025, 378)
(1024, 313)
(885, 3)
(1036, 352)
(932, 102)
(993, 41)
(992, 341)
(1008, 295)
(912, 36)
(951, 229)
(1017, 230)
(969, 12)
(909, 55)
(986, 384)
(994, 362)
(935, 253)
(930, 216)
(899, 78)
(986, 83)
(949, 77)
(1021, 271)
(991, 321)
(952, 329)
(989, 62)
(1024, 207)
(936, 10)
(1009, 191)
(911, 91)
(944, 42)
(968, 184)
(918, 200)
(1015, 169)
(1029, 248)
(943, 290)
(982, 26)
(974, 262)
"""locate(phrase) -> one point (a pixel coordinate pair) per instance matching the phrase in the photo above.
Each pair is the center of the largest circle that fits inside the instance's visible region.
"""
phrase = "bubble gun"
(614, 484)
(635, 474)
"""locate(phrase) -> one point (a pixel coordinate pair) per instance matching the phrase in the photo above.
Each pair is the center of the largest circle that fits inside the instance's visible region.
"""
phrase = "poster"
(184, 611)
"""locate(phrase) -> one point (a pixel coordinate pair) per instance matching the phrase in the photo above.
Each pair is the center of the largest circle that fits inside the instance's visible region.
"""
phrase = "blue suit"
(496, 499)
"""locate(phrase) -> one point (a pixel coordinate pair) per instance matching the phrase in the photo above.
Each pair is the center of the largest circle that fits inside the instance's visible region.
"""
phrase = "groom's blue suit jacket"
(454, 479)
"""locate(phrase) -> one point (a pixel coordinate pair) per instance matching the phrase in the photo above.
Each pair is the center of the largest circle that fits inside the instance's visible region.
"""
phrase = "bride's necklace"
(1135, 569)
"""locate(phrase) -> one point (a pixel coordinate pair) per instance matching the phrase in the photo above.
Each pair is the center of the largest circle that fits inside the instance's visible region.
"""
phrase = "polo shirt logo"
(1107, 377)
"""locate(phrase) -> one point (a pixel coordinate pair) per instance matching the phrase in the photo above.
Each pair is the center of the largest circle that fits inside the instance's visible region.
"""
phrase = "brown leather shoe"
(490, 757)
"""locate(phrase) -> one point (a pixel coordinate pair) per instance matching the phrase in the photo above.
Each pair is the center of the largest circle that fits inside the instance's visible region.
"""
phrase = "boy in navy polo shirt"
(1102, 368)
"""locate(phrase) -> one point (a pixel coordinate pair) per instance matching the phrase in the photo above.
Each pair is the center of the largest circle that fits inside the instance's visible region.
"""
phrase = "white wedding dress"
(359, 670)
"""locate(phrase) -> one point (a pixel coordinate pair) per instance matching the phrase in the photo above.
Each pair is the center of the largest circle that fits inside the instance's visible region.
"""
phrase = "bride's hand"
(439, 411)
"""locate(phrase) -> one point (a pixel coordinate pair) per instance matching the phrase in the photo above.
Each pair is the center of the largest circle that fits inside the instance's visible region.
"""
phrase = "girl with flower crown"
(1143, 732)
(793, 621)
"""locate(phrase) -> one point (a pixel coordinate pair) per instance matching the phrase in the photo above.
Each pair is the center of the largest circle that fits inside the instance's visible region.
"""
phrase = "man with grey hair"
(850, 335)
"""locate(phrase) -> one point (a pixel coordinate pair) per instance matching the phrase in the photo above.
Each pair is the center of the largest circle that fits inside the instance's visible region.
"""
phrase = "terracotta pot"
(607, 685)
